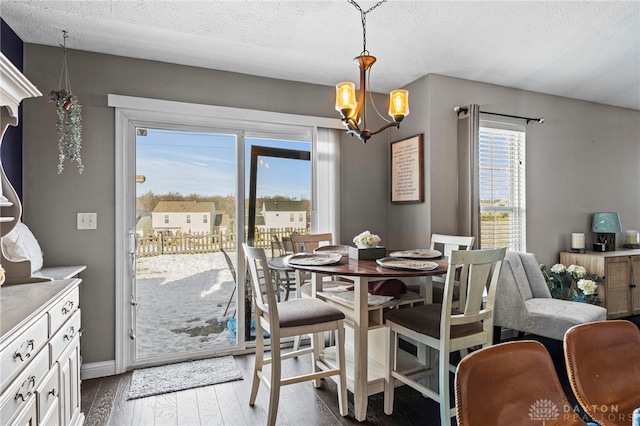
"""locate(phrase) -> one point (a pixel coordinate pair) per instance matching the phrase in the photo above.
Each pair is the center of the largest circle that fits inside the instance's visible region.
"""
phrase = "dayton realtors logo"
(543, 410)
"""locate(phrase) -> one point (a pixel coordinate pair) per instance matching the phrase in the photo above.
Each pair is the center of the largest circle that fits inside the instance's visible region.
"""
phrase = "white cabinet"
(70, 385)
(14, 87)
(40, 354)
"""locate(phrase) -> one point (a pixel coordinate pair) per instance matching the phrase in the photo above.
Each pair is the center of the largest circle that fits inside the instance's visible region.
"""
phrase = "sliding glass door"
(184, 285)
(185, 299)
(279, 190)
(182, 210)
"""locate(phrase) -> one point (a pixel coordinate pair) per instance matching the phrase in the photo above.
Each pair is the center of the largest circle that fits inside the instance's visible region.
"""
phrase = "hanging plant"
(69, 118)
(69, 128)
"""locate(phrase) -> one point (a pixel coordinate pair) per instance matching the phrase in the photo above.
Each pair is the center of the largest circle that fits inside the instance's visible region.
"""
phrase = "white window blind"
(502, 185)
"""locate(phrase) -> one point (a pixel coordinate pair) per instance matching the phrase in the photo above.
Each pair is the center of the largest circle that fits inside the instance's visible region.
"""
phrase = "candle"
(631, 237)
(577, 241)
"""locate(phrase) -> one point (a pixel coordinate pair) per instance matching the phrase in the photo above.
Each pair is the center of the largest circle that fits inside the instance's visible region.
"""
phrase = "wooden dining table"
(365, 353)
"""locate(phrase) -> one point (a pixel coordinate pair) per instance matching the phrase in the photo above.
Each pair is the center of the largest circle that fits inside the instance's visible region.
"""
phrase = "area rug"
(185, 375)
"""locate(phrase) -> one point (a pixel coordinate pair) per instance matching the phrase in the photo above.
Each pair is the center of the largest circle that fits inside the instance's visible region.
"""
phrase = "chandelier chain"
(363, 18)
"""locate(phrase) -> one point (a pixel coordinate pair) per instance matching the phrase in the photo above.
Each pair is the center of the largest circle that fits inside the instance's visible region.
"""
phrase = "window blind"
(502, 188)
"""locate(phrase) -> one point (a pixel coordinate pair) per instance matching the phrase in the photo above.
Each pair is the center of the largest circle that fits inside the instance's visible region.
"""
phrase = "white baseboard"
(97, 369)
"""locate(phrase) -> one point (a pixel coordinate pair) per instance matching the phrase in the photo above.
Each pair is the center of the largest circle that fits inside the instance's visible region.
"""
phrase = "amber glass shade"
(345, 97)
(399, 104)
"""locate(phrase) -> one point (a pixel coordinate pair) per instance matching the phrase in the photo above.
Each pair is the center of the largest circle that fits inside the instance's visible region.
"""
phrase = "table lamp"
(605, 226)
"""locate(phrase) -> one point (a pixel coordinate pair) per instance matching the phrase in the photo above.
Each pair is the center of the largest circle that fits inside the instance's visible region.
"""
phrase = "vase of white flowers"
(366, 240)
(572, 283)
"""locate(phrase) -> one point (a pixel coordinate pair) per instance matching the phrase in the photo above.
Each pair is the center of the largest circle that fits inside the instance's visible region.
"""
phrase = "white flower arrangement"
(588, 287)
(366, 239)
(577, 271)
(572, 282)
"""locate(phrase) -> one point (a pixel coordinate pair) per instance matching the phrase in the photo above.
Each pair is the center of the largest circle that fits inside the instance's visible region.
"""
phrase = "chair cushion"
(553, 317)
(510, 310)
(514, 264)
(306, 311)
(425, 319)
(537, 283)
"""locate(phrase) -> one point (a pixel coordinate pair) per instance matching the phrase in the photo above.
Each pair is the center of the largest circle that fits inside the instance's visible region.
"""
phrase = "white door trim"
(131, 112)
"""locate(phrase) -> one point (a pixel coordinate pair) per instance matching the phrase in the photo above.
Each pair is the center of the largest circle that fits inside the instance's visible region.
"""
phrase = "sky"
(204, 163)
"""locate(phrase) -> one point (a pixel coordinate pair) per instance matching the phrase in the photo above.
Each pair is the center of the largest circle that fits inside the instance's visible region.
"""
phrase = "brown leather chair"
(512, 383)
(603, 364)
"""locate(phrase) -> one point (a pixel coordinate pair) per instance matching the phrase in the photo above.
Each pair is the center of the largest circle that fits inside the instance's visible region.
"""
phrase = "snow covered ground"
(181, 303)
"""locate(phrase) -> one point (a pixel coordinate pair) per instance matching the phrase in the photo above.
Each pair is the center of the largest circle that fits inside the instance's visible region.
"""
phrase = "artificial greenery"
(69, 127)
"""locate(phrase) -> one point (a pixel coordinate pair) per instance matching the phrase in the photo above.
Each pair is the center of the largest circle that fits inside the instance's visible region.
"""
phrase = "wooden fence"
(206, 243)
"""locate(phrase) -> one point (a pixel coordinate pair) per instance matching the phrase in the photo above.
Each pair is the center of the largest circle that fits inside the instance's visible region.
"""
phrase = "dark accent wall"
(11, 152)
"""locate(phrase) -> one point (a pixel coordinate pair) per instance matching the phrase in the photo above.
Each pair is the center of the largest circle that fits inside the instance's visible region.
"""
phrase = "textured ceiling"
(587, 50)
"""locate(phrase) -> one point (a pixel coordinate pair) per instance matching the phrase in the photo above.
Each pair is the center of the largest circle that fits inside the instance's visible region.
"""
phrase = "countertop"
(21, 302)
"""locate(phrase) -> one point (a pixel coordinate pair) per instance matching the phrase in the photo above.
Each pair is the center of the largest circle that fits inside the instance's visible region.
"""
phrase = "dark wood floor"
(104, 402)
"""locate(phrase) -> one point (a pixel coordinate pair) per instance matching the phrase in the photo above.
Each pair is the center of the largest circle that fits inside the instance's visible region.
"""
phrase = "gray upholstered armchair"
(524, 303)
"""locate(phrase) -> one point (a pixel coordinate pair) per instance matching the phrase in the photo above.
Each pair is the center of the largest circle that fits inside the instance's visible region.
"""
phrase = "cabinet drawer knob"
(70, 333)
(632, 286)
(68, 307)
(26, 390)
(28, 348)
(53, 392)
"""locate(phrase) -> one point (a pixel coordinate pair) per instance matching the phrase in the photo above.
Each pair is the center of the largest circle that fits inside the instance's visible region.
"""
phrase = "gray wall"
(51, 201)
(585, 158)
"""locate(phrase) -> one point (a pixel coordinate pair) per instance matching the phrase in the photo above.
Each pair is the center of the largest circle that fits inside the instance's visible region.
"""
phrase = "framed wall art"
(407, 170)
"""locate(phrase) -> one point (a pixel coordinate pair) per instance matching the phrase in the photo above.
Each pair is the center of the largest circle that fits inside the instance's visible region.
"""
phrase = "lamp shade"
(606, 223)
(346, 98)
(399, 104)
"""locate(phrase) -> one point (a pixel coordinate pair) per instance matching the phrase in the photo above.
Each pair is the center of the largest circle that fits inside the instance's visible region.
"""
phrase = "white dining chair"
(443, 328)
(446, 244)
(308, 243)
(286, 319)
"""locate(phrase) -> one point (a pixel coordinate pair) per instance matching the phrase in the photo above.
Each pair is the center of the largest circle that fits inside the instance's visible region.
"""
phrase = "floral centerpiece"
(572, 283)
(366, 239)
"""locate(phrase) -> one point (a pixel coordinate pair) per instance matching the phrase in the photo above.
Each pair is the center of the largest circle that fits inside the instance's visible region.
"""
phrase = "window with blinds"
(501, 162)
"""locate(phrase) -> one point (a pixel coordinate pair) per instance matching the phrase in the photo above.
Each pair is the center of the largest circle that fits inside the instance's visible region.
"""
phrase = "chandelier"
(354, 113)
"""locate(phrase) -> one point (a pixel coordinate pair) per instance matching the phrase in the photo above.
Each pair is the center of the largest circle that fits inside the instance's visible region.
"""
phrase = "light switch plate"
(87, 221)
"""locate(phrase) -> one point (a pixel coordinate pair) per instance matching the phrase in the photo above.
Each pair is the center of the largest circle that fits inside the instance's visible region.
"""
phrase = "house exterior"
(222, 223)
(144, 227)
(284, 214)
(188, 217)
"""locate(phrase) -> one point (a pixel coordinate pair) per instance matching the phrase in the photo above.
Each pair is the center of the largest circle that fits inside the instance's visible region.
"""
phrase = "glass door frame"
(264, 151)
(256, 151)
(131, 112)
(132, 360)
